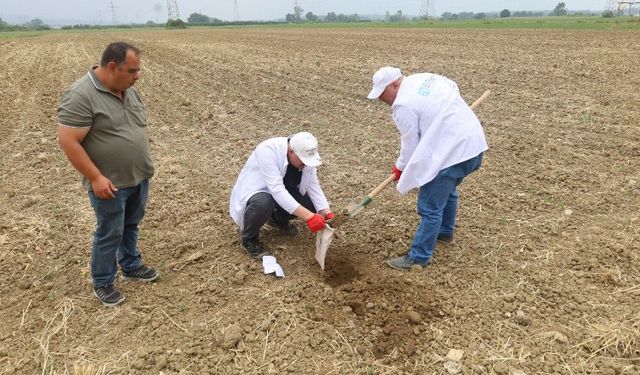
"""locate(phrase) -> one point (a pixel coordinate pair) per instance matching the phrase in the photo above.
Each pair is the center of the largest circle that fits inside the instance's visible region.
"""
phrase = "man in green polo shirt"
(102, 130)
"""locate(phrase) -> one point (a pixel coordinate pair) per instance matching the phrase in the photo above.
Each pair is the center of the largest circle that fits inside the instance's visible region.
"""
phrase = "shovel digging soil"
(354, 209)
(325, 236)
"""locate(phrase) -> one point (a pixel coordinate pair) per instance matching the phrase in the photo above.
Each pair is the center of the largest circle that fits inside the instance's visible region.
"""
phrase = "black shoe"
(286, 228)
(445, 238)
(254, 248)
(404, 263)
(142, 273)
(108, 295)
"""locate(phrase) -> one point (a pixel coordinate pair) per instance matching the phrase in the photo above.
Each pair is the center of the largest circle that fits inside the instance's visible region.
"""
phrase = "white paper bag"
(323, 240)
(270, 265)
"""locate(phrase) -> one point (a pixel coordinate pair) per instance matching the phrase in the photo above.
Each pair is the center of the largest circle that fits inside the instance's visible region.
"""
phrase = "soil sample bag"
(323, 240)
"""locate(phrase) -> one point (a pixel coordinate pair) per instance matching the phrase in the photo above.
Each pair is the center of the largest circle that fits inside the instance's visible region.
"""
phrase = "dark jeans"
(437, 206)
(116, 234)
(262, 206)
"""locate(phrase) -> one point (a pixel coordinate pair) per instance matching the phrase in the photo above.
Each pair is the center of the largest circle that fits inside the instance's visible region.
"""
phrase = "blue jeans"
(437, 206)
(116, 233)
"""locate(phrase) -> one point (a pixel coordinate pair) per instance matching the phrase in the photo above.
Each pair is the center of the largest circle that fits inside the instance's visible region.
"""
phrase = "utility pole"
(296, 9)
(236, 14)
(617, 6)
(172, 9)
(113, 14)
(631, 3)
(427, 9)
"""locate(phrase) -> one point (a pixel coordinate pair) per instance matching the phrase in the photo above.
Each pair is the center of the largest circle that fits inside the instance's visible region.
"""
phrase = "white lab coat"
(263, 172)
(437, 129)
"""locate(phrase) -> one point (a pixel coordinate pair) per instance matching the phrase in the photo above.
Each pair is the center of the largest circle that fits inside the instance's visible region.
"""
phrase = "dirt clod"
(232, 335)
(501, 368)
(414, 317)
(455, 355)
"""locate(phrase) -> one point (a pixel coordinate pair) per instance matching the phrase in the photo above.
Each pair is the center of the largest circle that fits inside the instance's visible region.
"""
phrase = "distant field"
(574, 23)
(19, 34)
(566, 23)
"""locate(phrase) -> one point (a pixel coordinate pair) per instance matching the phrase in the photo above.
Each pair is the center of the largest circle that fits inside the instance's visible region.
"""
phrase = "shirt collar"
(96, 81)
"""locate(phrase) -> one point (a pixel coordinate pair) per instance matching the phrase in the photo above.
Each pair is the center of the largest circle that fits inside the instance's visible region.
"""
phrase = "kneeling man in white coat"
(277, 183)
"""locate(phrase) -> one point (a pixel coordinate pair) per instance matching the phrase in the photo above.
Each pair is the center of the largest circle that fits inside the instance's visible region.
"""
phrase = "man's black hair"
(117, 52)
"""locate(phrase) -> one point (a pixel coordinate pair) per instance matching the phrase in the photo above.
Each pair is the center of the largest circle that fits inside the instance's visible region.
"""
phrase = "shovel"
(325, 236)
(353, 210)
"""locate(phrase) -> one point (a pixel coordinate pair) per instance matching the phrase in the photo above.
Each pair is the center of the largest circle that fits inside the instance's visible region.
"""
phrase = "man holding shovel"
(277, 183)
(441, 142)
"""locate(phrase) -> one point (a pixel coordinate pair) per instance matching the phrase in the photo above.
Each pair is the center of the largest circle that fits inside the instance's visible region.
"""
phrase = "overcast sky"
(127, 11)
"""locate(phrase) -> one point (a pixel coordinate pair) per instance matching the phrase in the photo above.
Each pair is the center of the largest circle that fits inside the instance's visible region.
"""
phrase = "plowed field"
(544, 276)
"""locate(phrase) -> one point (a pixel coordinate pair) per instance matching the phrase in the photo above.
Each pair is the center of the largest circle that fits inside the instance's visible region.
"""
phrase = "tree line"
(296, 16)
(34, 24)
(559, 10)
(299, 15)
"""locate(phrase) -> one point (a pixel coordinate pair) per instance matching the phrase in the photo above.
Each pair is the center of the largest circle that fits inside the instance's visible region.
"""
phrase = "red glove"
(397, 173)
(316, 223)
(330, 215)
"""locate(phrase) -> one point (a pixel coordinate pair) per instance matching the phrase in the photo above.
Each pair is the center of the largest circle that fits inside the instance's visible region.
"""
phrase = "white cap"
(305, 145)
(383, 78)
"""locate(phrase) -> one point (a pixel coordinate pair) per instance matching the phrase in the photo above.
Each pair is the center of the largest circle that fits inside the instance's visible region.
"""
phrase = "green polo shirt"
(117, 142)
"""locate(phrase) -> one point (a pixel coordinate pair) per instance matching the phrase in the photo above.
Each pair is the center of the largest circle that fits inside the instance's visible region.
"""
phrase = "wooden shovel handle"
(480, 99)
(380, 187)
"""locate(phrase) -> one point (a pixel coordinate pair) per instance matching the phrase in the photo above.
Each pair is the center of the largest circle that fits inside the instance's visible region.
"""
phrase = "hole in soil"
(340, 272)
(357, 307)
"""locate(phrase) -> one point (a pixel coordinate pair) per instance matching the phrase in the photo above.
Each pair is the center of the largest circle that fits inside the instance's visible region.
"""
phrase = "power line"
(617, 6)
(172, 9)
(113, 14)
(236, 14)
(427, 8)
(631, 3)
